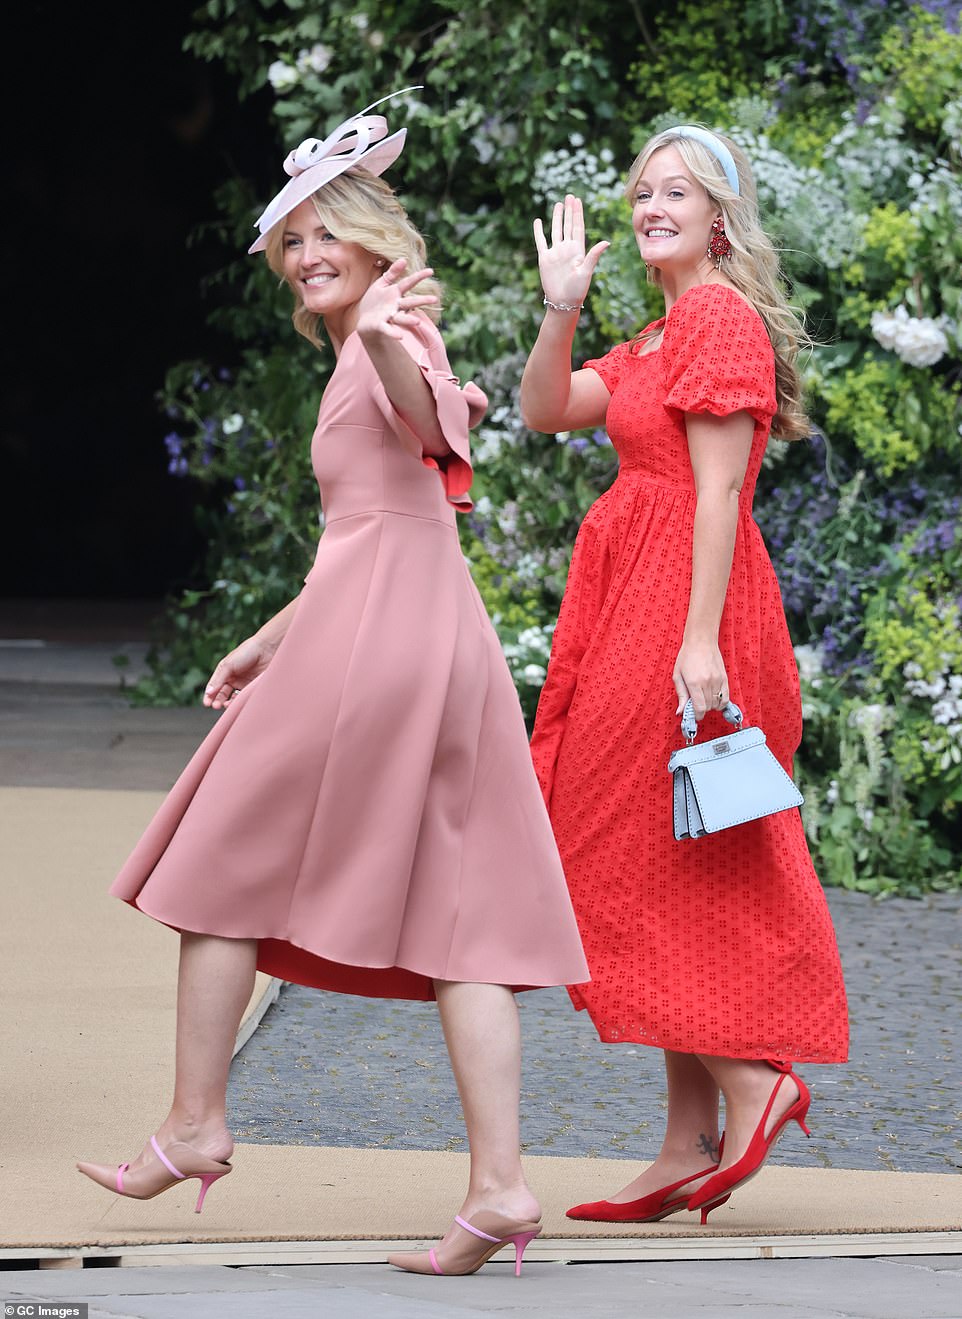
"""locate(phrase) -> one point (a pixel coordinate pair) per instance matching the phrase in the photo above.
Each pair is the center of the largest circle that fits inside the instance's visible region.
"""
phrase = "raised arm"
(386, 306)
(553, 397)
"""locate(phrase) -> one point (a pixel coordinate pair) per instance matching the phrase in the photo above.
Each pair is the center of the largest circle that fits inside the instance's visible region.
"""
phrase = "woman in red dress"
(719, 951)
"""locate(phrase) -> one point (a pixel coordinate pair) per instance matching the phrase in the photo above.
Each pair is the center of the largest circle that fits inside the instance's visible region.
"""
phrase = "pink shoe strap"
(164, 1159)
(434, 1263)
(463, 1222)
(121, 1169)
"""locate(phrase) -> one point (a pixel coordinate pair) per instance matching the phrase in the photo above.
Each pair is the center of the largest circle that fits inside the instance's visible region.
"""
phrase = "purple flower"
(177, 467)
(240, 483)
(173, 444)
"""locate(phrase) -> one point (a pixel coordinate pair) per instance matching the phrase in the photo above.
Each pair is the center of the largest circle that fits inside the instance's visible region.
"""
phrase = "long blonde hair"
(753, 267)
(358, 207)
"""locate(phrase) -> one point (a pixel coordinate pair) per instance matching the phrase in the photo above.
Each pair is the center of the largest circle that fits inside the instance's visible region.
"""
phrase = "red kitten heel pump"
(177, 1163)
(463, 1255)
(648, 1209)
(759, 1147)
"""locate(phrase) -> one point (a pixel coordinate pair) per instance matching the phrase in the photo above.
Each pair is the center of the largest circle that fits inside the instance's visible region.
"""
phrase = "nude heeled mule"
(178, 1163)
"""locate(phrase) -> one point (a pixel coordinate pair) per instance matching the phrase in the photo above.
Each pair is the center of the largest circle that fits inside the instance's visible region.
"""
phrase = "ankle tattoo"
(707, 1146)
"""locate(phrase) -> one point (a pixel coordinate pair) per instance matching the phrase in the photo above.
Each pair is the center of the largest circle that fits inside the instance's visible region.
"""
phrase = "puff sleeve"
(610, 367)
(458, 409)
(717, 356)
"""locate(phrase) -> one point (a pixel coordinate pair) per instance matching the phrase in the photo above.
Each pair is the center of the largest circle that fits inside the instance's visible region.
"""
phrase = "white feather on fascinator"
(361, 140)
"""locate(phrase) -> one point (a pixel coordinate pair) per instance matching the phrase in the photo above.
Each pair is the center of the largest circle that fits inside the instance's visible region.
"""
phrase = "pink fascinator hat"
(361, 140)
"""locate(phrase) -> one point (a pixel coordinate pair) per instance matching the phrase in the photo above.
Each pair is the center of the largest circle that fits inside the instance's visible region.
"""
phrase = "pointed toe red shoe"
(718, 1188)
(648, 1209)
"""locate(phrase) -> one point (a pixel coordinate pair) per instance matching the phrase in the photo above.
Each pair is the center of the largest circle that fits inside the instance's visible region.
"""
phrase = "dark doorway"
(116, 143)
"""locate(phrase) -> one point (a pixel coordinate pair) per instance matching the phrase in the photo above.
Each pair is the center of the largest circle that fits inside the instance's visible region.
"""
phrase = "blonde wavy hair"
(753, 266)
(358, 207)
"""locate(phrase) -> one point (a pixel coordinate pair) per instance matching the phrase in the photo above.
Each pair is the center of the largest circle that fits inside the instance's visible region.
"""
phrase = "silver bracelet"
(563, 306)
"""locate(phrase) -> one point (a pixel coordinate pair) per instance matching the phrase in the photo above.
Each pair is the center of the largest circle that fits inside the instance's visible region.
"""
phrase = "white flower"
(488, 446)
(918, 340)
(282, 77)
(578, 170)
(508, 518)
(375, 39)
(872, 718)
(534, 674)
(314, 60)
(232, 424)
(945, 712)
(811, 665)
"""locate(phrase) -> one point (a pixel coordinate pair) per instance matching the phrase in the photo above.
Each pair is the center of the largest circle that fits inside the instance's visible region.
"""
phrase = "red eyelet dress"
(722, 945)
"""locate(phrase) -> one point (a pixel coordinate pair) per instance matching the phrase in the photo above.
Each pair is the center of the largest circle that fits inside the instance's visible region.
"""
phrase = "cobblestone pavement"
(334, 1070)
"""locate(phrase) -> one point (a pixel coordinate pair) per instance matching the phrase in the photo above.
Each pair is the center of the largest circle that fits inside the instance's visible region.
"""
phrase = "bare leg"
(747, 1085)
(483, 1035)
(214, 985)
(691, 1136)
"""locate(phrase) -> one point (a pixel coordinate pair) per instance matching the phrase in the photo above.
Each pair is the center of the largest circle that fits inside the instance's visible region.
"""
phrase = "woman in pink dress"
(364, 817)
(718, 951)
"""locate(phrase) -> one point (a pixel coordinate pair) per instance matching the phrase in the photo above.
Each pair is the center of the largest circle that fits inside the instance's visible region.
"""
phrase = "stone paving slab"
(57, 734)
(883, 1288)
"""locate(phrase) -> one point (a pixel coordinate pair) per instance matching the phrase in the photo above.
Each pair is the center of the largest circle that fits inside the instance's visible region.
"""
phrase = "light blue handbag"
(727, 781)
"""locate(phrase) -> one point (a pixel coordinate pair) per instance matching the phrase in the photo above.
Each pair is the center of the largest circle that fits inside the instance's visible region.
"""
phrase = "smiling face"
(329, 276)
(672, 215)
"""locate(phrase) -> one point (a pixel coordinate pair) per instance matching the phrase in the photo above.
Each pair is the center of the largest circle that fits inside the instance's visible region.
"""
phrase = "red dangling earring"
(719, 248)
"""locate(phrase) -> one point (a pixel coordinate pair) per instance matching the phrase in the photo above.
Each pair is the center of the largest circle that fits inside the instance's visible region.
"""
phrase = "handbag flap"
(745, 786)
(719, 748)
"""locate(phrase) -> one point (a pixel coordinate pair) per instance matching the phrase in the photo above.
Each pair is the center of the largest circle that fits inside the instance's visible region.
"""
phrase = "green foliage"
(894, 414)
(913, 625)
(920, 67)
(704, 54)
(851, 115)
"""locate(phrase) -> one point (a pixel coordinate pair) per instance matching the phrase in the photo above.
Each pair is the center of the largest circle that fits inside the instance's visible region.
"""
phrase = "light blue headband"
(716, 146)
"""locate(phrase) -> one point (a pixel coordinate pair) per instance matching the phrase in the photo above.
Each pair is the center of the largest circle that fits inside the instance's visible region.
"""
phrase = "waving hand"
(566, 268)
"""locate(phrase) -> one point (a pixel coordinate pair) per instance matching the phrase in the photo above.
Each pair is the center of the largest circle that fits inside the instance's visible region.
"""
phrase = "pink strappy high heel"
(178, 1163)
(467, 1256)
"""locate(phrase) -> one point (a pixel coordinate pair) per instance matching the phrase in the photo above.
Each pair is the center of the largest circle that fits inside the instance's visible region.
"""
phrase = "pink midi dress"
(367, 808)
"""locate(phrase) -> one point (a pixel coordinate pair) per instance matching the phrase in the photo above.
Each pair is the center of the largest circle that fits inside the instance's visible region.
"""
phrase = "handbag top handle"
(689, 724)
